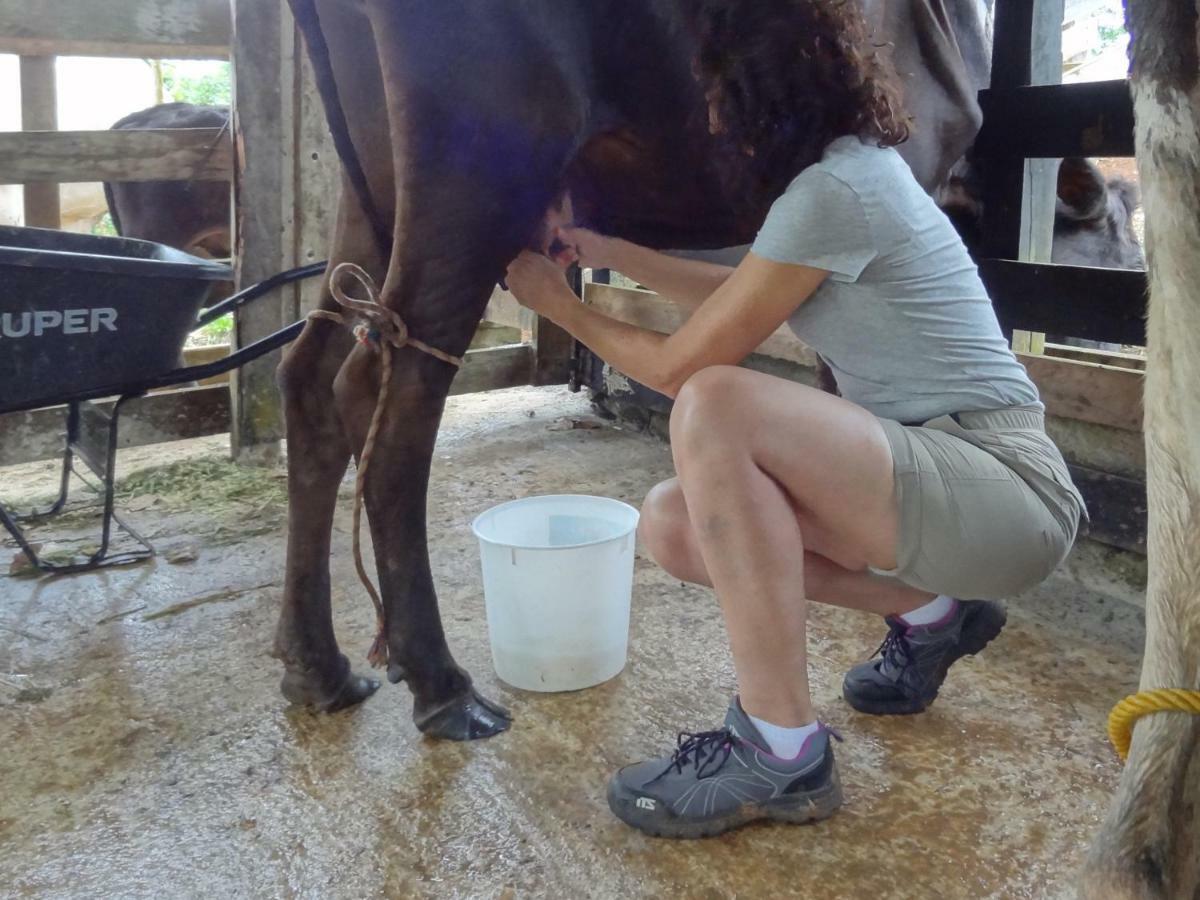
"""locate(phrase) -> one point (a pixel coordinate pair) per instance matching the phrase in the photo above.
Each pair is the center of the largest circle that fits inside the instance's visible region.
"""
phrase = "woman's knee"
(707, 408)
(665, 530)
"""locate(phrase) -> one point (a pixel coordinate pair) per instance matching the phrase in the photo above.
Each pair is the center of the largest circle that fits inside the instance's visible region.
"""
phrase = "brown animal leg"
(317, 674)
(445, 703)
(474, 172)
(441, 293)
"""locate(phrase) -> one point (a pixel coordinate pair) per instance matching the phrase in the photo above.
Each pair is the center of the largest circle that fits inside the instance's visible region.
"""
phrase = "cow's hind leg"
(316, 673)
(445, 702)
(479, 149)
(440, 289)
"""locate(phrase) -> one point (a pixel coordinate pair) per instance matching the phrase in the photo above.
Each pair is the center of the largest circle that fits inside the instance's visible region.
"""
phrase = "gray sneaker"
(719, 780)
(913, 659)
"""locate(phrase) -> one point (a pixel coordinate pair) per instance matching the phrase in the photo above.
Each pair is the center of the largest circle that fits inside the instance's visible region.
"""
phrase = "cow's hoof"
(302, 690)
(465, 718)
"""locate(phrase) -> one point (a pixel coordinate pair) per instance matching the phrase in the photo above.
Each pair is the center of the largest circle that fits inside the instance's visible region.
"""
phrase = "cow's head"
(1093, 218)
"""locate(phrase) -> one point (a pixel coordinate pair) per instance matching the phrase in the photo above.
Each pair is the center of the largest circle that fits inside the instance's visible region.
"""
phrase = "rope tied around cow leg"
(1126, 713)
(383, 331)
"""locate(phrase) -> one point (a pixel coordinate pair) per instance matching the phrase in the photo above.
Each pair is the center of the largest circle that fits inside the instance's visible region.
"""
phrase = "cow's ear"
(1082, 191)
(1128, 192)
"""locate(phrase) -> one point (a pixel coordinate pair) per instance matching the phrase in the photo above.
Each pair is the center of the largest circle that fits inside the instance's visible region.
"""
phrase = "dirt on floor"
(148, 752)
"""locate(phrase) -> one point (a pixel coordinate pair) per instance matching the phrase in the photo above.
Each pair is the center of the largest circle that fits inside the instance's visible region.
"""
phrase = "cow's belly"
(656, 193)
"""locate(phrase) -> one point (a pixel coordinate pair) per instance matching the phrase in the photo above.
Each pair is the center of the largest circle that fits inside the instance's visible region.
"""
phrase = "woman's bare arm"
(742, 313)
(687, 282)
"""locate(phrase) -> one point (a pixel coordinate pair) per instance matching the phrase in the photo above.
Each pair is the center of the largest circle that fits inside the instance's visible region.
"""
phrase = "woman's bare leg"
(751, 451)
(667, 532)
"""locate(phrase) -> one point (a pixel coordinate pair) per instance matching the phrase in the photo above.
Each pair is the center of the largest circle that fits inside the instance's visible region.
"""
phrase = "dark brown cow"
(458, 124)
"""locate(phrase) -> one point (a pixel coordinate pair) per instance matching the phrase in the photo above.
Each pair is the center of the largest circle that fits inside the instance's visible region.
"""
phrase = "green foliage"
(219, 330)
(104, 225)
(213, 88)
(1110, 35)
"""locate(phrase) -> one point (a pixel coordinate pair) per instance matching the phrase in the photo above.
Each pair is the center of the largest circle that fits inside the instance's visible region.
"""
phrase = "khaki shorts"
(987, 506)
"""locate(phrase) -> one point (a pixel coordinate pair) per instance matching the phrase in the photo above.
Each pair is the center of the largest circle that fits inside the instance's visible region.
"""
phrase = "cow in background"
(1093, 218)
(194, 216)
(1093, 214)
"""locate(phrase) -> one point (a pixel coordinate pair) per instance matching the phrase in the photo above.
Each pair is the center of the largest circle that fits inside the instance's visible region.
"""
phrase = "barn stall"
(151, 740)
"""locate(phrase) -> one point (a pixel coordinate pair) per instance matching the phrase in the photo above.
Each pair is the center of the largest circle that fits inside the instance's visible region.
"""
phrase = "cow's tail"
(305, 12)
(112, 208)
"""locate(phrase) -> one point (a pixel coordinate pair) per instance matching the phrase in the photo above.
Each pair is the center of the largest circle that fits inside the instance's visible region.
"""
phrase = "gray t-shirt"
(903, 320)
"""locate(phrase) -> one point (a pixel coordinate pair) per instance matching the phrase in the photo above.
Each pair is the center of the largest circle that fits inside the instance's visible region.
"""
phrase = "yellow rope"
(1126, 713)
(384, 331)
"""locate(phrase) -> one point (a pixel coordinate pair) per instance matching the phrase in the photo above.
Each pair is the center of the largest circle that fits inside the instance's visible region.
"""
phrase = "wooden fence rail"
(152, 154)
(155, 29)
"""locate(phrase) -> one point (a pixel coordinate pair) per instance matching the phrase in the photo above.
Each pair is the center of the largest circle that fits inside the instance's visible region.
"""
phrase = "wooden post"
(553, 346)
(259, 191)
(39, 112)
(1041, 175)
(316, 174)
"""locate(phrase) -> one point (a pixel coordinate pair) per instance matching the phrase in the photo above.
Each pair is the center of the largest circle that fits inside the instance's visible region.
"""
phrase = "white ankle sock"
(933, 611)
(784, 742)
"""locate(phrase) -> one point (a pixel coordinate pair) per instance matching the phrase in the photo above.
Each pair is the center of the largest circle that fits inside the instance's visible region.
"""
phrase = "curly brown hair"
(786, 77)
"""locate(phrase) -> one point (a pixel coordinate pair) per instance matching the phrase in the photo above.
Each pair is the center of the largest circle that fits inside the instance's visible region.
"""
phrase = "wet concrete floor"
(146, 752)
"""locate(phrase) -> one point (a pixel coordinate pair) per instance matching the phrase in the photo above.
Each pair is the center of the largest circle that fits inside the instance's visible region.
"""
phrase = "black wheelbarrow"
(84, 318)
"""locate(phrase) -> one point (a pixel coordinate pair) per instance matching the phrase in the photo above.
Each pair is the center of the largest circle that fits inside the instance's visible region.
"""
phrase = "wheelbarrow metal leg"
(92, 437)
(109, 477)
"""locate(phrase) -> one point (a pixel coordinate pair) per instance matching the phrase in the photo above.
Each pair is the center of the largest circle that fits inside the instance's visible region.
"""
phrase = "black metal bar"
(1117, 507)
(1004, 179)
(254, 291)
(88, 423)
(1012, 43)
(1056, 120)
(1077, 301)
(108, 476)
(64, 481)
(110, 514)
(64, 484)
(10, 523)
(190, 373)
(221, 366)
(576, 280)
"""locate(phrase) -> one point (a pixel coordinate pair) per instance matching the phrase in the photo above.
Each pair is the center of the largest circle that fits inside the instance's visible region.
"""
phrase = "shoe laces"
(706, 751)
(895, 650)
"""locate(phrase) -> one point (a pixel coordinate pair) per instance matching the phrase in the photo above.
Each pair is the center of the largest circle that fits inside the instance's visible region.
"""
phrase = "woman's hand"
(588, 248)
(538, 283)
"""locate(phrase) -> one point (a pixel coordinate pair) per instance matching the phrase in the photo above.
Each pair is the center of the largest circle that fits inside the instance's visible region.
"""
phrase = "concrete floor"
(147, 751)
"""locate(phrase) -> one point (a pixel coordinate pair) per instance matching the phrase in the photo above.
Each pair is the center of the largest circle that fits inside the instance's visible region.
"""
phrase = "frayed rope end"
(378, 655)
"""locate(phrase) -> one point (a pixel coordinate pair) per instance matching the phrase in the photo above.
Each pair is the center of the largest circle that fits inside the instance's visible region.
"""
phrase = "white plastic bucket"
(557, 578)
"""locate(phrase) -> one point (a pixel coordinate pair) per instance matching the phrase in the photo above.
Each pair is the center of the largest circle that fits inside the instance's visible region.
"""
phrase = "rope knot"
(381, 323)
